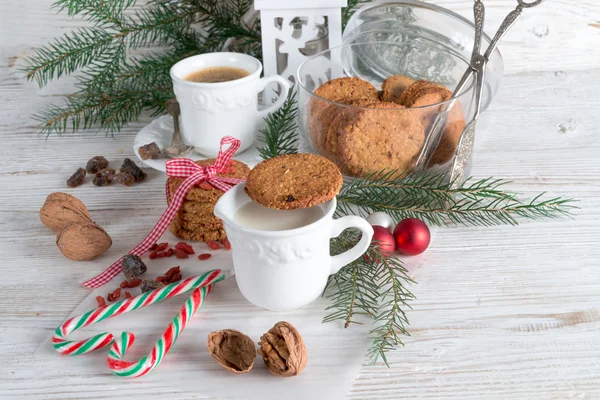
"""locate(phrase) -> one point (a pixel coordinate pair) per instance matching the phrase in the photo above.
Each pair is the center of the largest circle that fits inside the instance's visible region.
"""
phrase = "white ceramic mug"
(210, 111)
(286, 269)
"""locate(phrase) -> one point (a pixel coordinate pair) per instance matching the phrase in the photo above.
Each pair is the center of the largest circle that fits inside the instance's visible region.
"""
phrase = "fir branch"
(224, 18)
(95, 10)
(156, 24)
(280, 135)
(427, 197)
(392, 278)
(69, 53)
(350, 9)
(353, 290)
(375, 285)
(99, 75)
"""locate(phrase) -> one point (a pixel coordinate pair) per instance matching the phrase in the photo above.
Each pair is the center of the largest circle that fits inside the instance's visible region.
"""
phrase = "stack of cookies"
(364, 130)
(195, 220)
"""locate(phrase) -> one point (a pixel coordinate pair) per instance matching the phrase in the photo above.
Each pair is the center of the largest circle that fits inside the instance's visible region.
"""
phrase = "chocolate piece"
(149, 151)
(149, 285)
(124, 178)
(96, 164)
(130, 167)
(104, 177)
(78, 178)
(133, 266)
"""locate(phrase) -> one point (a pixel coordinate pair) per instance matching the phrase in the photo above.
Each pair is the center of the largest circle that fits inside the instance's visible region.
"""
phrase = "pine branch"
(224, 18)
(69, 53)
(280, 135)
(350, 9)
(427, 197)
(156, 24)
(375, 286)
(392, 278)
(95, 10)
(353, 290)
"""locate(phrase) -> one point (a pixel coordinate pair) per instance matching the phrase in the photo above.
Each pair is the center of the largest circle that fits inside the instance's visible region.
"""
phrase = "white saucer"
(160, 131)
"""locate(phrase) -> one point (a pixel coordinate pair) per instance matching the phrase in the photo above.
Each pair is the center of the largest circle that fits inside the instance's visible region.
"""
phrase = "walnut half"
(233, 350)
(283, 350)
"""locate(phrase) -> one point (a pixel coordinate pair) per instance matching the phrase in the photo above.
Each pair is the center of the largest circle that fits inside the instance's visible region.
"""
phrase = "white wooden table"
(503, 312)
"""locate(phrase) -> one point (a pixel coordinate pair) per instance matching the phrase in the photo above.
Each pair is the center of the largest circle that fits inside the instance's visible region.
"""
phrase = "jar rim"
(302, 83)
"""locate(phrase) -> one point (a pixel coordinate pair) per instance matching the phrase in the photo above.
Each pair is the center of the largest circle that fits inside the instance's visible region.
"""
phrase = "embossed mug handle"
(341, 224)
(285, 89)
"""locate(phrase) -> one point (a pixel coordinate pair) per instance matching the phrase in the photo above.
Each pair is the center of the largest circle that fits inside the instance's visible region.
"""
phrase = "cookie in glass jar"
(393, 88)
(385, 137)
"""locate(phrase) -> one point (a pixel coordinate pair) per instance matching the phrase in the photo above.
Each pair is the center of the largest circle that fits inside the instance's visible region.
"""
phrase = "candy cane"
(135, 369)
(64, 346)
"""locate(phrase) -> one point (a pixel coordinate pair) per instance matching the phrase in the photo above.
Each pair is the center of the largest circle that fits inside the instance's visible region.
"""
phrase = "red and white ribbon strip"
(194, 174)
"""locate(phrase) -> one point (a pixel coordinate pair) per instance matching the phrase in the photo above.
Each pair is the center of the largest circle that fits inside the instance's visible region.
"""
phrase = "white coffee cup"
(210, 111)
(284, 270)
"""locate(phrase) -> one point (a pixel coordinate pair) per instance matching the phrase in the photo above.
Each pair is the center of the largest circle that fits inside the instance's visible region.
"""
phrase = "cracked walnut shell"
(283, 350)
(62, 209)
(233, 350)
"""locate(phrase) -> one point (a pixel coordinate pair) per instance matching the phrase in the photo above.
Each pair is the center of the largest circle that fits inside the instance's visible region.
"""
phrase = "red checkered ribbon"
(194, 174)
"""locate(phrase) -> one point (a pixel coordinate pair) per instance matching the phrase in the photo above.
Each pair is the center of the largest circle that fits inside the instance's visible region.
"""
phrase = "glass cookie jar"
(365, 129)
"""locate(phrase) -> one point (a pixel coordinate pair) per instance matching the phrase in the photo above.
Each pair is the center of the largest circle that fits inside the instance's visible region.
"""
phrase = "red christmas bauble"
(412, 236)
(385, 240)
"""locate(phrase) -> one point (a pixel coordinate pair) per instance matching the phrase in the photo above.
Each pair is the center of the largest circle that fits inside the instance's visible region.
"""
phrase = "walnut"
(283, 350)
(83, 242)
(233, 350)
(62, 209)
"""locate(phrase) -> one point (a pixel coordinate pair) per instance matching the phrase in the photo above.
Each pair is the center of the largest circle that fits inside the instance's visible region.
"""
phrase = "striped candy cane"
(135, 369)
(68, 347)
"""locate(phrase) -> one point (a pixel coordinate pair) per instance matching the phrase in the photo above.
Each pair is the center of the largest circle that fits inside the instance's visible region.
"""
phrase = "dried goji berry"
(213, 245)
(162, 246)
(225, 242)
(162, 254)
(123, 284)
(180, 253)
(127, 295)
(176, 277)
(134, 283)
(154, 246)
(185, 247)
(100, 301)
(172, 271)
(160, 279)
(153, 255)
(205, 185)
(204, 256)
(170, 252)
(115, 294)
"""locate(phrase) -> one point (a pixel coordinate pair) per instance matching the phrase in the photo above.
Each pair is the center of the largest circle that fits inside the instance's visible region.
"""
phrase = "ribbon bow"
(194, 174)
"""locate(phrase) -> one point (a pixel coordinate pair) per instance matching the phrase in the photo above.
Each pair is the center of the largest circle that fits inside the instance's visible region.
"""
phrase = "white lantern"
(293, 30)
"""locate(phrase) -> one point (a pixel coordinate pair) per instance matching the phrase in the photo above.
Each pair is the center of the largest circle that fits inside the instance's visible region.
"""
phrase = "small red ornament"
(412, 236)
(384, 239)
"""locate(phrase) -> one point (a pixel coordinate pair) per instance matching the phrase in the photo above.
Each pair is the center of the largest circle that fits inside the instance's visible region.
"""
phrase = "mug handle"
(285, 89)
(341, 224)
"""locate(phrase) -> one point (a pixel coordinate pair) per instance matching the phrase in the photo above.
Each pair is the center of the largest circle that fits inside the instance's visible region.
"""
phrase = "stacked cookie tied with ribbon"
(195, 220)
(364, 130)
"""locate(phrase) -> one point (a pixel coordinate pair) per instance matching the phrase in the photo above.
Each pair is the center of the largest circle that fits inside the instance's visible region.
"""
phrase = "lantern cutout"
(293, 30)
